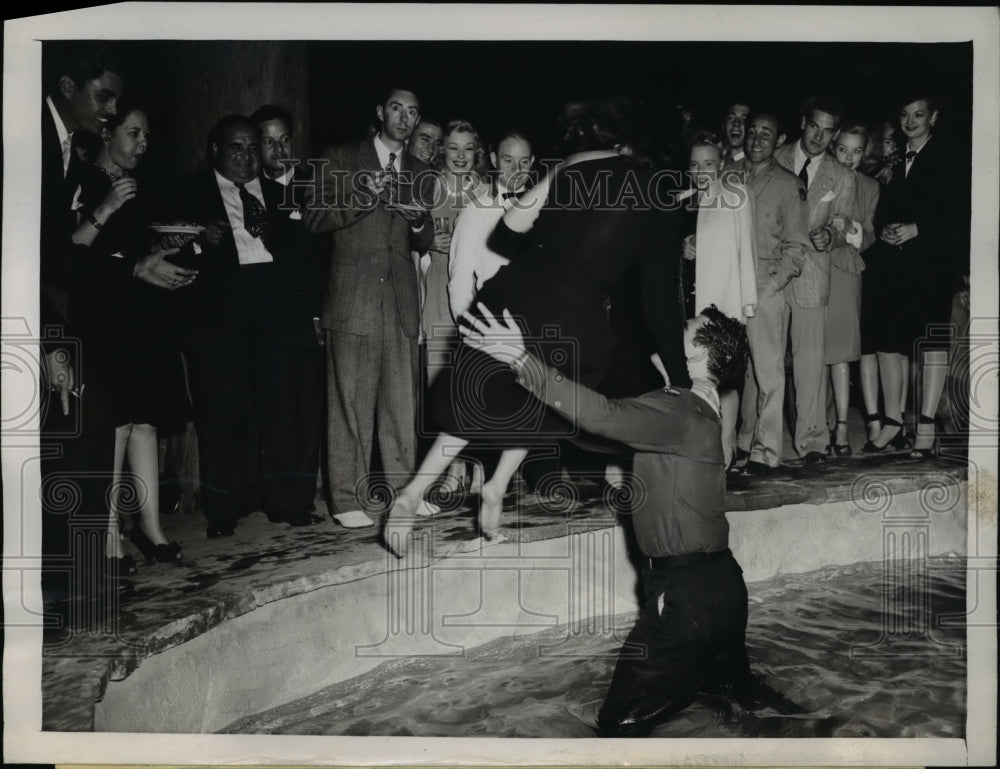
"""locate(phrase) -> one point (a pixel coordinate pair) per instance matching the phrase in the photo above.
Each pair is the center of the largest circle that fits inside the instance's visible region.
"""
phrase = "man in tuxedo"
(249, 337)
(78, 433)
(371, 312)
(284, 182)
(781, 241)
(830, 192)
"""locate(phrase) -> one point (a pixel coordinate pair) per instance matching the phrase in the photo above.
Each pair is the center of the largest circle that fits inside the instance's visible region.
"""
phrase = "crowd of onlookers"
(301, 310)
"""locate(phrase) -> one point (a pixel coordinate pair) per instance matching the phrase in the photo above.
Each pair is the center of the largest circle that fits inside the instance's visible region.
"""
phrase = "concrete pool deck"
(799, 519)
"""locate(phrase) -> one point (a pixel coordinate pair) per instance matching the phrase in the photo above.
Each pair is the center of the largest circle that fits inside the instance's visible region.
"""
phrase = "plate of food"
(177, 229)
(407, 206)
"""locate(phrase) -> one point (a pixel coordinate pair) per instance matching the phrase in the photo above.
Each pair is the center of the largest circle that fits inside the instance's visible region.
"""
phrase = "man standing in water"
(690, 634)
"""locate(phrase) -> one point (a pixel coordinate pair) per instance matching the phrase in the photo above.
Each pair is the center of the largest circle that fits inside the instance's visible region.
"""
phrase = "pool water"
(864, 650)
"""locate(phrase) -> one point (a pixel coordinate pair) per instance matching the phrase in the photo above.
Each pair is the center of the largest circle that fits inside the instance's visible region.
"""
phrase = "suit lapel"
(821, 184)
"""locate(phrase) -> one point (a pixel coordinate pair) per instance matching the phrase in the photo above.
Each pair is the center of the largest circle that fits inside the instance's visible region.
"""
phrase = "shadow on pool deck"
(165, 604)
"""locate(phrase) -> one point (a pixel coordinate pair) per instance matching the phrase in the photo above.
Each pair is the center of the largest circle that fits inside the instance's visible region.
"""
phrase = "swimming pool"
(867, 650)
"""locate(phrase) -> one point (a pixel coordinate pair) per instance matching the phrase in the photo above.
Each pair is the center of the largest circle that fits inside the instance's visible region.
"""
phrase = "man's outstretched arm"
(648, 422)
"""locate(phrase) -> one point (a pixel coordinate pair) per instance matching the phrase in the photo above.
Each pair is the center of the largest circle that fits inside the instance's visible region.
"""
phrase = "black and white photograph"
(500, 385)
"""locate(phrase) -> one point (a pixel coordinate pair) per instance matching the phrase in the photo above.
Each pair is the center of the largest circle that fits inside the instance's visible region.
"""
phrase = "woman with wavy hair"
(570, 240)
(133, 327)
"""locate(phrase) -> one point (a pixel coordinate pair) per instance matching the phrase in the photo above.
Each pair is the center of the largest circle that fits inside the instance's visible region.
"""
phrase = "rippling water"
(860, 651)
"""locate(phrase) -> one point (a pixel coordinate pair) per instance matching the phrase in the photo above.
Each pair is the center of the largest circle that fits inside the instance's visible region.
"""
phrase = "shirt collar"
(383, 153)
(61, 131)
(253, 186)
(800, 157)
(921, 146)
(285, 179)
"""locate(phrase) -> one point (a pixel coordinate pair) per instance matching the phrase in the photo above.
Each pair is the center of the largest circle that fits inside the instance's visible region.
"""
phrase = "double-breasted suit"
(371, 314)
(249, 335)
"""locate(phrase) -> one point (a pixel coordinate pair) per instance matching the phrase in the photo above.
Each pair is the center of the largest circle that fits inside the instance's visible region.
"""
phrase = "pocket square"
(118, 255)
(296, 215)
(830, 195)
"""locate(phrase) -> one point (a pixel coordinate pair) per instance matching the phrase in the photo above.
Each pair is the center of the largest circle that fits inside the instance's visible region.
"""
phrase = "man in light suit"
(373, 198)
(781, 231)
(830, 193)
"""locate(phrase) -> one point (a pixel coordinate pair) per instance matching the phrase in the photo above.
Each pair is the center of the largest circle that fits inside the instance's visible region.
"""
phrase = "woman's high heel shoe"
(125, 567)
(922, 452)
(169, 553)
(839, 449)
(873, 448)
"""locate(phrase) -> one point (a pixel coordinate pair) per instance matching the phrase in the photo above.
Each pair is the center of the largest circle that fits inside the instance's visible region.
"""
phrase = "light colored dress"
(438, 326)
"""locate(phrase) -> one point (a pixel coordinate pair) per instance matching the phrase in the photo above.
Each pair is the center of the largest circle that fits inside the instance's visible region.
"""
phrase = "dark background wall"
(496, 83)
(332, 87)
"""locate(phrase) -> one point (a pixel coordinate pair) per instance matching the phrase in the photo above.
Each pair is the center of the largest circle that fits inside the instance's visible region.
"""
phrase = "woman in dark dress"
(919, 216)
(571, 239)
(131, 324)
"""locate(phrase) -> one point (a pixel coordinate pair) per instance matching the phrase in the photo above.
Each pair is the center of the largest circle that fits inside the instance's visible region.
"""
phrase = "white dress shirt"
(251, 250)
(909, 161)
(65, 137)
(800, 160)
(383, 154)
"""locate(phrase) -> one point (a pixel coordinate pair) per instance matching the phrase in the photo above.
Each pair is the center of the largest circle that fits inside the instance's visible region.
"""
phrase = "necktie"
(390, 182)
(804, 173)
(255, 219)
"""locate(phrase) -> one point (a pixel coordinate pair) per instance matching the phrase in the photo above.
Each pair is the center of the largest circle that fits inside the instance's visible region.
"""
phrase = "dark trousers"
(77, 460)
(259, 395)
(690, 634)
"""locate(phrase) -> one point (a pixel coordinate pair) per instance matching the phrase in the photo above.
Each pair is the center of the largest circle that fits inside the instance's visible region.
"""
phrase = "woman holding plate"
(131, 325)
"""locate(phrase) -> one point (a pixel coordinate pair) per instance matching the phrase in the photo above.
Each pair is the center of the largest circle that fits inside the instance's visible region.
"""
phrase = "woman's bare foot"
(476, 485)
(398, 525)
(491, 506)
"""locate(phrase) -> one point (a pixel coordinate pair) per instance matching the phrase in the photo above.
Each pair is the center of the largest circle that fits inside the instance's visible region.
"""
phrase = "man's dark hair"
(918, 93)
(272, 112)
(79, 60)
(725, 339)
(823, 104)
(226, 123)
(390, 89)
(768, 111)
(429, 120)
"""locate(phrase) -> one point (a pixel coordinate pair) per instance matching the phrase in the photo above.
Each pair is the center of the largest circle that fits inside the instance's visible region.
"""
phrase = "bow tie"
(910, 155)
(508, 195)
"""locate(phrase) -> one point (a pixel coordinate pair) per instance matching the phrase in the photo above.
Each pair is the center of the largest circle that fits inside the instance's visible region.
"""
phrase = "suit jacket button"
(381, 280)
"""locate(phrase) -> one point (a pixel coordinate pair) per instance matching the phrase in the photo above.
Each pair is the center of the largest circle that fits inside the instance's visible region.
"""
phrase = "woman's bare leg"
(869, 392)
(494, 490)
(399, 522)
(113, 543)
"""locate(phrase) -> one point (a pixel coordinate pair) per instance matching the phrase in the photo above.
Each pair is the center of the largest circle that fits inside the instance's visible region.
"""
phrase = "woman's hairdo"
(464, 127)
(704, 137)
